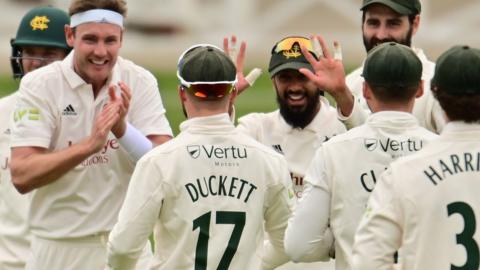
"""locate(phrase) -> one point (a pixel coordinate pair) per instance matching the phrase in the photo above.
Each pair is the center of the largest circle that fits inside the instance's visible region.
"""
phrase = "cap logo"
(39, 23)
(293, 52)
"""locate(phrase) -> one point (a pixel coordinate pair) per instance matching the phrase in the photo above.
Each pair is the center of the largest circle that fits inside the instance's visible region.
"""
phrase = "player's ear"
(69, 35)
(415, 24)
(181, 93)
(366, 91)
(420, 90)
(233, 95)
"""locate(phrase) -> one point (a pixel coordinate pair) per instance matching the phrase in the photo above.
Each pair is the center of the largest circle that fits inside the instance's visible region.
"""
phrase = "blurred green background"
(259, 98)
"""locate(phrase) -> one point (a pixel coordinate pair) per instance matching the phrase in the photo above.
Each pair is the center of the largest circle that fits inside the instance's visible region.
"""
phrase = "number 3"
(465, 238)
(222, 217)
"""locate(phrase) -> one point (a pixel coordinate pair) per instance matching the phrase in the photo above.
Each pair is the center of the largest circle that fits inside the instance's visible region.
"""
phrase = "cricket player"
(304, 120)
(32, 48)
(344, 171)
(210, 192)
(427, 204)
(78, 127)
(386, 21)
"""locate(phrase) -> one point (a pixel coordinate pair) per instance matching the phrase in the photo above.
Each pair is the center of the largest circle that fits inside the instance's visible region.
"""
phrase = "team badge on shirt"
(194, 150)
(21, 114)
(371, 144)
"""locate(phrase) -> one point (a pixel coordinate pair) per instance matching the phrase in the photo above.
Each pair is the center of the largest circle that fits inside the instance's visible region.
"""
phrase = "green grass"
(259, 98)
(7, 85)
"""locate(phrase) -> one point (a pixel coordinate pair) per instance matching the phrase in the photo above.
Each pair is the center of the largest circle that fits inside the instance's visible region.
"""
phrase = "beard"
(299, 117)
(370, 44)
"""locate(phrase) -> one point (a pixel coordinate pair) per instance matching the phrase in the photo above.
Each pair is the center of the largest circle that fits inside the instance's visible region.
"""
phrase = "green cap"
(289, 58)
(43, 26)
(403, 7)
(457, 71)
(206, 63)
(206, 72)
(392, 65)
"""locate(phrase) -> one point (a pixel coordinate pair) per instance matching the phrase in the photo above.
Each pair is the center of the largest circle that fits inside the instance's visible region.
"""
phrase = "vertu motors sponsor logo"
(217, 152)
(391, 145)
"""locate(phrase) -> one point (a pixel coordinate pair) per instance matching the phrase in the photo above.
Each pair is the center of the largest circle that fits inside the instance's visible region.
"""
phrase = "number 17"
(222, 217)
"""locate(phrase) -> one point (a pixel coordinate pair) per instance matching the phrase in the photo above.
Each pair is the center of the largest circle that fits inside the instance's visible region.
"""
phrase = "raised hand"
(230, 47)
(104, 122)
(329, 73)
(124, 103)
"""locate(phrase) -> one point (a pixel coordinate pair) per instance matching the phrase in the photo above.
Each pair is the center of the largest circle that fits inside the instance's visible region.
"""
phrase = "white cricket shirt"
(14, 234)
(426, 109)
(297, 145)
(209, 193)
(56, 108)
(343, 174)
(427, 204)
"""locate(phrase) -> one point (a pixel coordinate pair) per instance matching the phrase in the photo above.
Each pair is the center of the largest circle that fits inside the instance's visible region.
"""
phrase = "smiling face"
(96, 47)
(297, 97)
(382, 24)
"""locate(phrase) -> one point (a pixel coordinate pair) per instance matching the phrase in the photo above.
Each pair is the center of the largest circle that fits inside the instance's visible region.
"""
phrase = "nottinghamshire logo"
(39, 23)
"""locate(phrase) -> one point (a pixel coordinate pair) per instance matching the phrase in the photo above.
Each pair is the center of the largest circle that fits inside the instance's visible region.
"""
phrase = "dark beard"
(296, 118)
(370, 44)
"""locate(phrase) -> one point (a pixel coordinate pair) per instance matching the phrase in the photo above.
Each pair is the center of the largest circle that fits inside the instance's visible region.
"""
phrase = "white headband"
(98, 16)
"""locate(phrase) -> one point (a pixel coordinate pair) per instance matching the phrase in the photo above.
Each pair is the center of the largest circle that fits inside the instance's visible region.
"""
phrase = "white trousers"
(83, 253)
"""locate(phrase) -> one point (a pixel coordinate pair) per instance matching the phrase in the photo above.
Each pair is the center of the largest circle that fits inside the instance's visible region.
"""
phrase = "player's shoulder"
(256, 124)
(259, 117)
(44, 74)
(327, 110)
(419, 159)
(426, 134)
(352, 134)
(166, 148)
(7, 102)
(44, 81)
(260, 147)
(327, 118)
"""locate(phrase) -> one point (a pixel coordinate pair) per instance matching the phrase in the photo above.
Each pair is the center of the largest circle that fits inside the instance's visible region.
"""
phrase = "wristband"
(135, 143)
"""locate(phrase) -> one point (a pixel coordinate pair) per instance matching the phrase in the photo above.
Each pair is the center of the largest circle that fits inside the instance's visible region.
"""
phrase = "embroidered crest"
(293, 52)
(39, 23)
